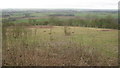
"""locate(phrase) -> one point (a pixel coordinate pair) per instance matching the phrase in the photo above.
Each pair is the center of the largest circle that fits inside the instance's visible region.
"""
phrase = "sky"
(56, 4)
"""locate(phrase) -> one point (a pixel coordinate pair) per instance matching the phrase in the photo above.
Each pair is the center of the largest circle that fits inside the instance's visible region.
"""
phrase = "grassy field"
(61, 37)
(49, 46)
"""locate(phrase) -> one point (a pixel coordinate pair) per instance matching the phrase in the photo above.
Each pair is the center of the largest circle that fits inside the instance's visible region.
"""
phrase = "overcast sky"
(49, 4)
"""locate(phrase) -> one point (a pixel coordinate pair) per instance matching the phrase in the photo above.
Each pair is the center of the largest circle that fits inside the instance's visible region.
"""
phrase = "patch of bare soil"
(104, 29)
(40, 26)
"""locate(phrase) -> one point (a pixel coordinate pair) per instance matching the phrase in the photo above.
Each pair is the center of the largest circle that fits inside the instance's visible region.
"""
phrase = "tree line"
(107, 22)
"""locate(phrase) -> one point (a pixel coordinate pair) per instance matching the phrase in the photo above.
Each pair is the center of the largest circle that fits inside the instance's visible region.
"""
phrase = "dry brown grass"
(56, 55)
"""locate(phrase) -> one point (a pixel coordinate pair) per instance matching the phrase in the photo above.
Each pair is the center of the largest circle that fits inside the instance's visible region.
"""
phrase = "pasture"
(50, 46)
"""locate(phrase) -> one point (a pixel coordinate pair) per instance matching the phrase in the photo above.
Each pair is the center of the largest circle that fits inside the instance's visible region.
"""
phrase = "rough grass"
(42, 47)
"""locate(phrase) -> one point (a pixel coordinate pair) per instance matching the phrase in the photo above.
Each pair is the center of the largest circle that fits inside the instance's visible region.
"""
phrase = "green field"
(50, 46)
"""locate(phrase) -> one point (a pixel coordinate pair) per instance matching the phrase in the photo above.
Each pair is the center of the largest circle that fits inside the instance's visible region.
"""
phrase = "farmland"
(60, 38)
